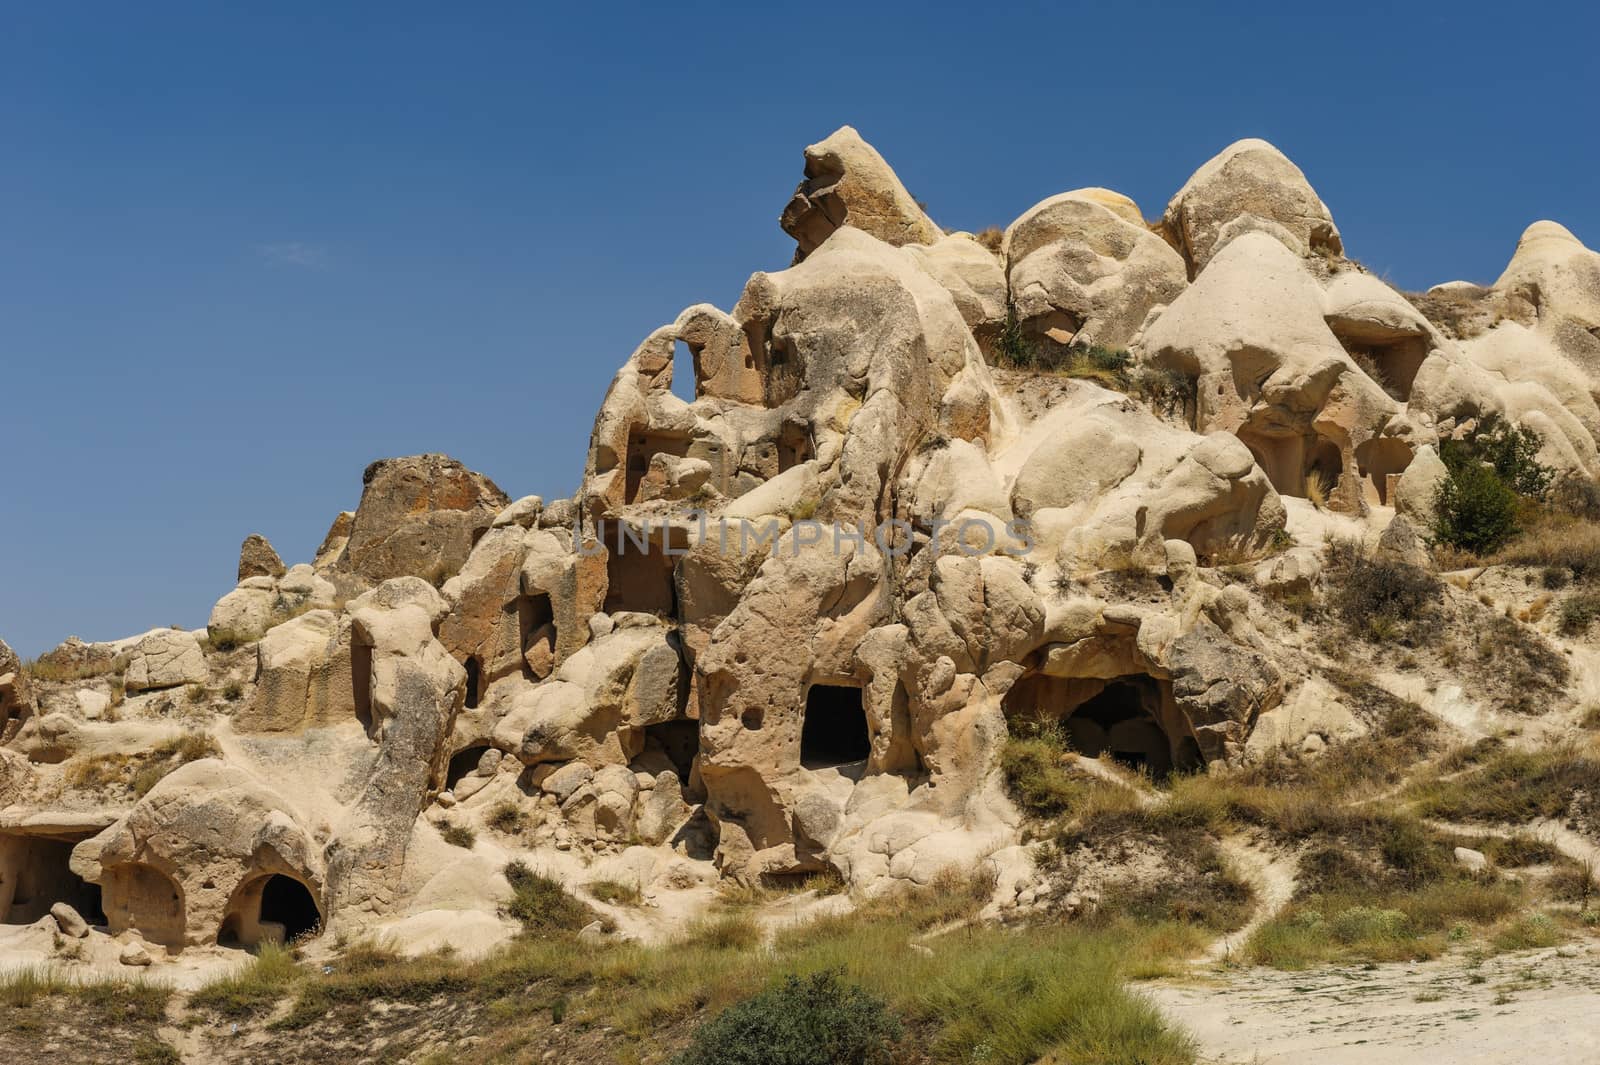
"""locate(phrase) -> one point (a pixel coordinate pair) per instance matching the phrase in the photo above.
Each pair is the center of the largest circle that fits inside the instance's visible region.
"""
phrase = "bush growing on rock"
(818, 1020)
(541, 904)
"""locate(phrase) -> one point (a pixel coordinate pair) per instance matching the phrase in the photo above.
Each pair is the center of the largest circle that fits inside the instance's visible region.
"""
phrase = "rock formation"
(788, 626)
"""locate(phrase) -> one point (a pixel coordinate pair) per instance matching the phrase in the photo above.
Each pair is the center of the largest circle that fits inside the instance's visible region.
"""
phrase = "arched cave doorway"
(275, 908)
(1379, 460)
(35, 874)
(834, 730)
(1326, 465)
(145, 898)
(1131, 718)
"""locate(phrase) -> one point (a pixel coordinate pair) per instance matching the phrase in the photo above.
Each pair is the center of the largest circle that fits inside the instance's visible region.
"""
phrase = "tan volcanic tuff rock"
(419, 516)
(847, 183)
(258, 559)
(1081, 272)
(1249, 177)
(789, 625)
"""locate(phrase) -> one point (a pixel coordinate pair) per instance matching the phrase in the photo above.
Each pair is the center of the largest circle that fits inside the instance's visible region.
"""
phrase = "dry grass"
(978, 993)
(139, 772)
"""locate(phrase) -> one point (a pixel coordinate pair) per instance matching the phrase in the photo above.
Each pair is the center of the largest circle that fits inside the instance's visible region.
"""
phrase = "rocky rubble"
(945, 549)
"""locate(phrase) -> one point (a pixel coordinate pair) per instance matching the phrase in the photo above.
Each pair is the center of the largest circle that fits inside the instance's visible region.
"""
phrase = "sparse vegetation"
(139, 772)
(1035, 775)
(818, 1020)
(507, 817)
(1380, 599)
(258, 985)
(457, 835)
(615, 892)
(541, 903)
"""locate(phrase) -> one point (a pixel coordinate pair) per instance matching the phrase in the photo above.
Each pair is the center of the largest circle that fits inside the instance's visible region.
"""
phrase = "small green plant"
(197, 693)
(540, 902)
(615, 892)
(1034, 773)
(507, 817)
(233, 691)
(458, 835)
(815, 1020)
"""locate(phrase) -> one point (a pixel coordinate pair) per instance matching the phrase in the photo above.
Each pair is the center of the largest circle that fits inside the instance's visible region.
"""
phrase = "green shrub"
(1377, 598)
(1034, 775)
(1476, 510)
(458, 835)
(818, 1020)
(1511, 450)
(541, 904)
(507, 817)
(1578, 612)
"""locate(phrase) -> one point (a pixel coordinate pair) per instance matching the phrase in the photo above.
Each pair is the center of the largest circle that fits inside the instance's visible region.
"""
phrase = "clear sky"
(247, 249)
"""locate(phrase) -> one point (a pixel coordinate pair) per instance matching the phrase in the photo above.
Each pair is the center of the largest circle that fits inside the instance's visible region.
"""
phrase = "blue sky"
(245, 252)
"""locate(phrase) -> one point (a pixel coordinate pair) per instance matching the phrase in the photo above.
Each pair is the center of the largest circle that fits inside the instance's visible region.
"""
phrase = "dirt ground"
(1532, 1006)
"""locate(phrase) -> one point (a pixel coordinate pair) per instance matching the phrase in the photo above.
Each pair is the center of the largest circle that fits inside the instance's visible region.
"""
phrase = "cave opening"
(639, 571)
(679, 741)
(462, 764)
(361, 682)
(1129, 718)
(474, 678)
(35, 874)
(274, 909)
(834, 730)
(643, 446)
(1381, 461)
(536, 628)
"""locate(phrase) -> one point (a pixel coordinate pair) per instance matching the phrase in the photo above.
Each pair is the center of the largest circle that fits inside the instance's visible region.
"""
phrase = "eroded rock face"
(848, 183)
(258, 559)
(418, 517)
(1082, 273)
(789, 624)
(1248, 178)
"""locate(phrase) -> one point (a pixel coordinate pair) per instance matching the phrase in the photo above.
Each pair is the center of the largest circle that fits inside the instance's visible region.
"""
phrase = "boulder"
(1247, 177)
(1417, 492)
(1081, 273)
(848, 183)
(69, 921)
(165, 658)
(258, 559)
(418, 516)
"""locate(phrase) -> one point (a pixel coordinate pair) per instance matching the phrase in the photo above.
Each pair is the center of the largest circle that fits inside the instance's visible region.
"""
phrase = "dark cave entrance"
(361, 682)
(288, 902)
(639, 571)
(679, 741)
(463, 763)
(1130, 718)
(35, 874)
(1118, 721)
(474, 678)
(275, 908)
(834, 730)
(536, 629)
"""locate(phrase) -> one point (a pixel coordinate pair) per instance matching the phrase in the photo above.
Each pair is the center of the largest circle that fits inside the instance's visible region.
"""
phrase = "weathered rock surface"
(789, 625)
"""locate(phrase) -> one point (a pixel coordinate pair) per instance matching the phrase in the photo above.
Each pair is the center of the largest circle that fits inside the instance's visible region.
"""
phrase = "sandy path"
(1534, 1006)
(1271, 874)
